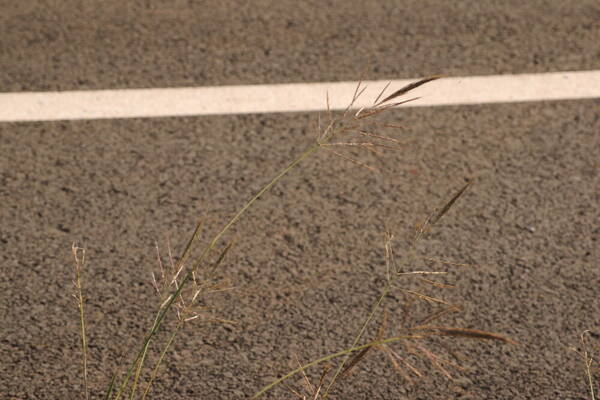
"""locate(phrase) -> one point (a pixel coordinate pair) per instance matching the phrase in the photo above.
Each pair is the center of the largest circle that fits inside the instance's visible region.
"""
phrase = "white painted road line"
(170, 102)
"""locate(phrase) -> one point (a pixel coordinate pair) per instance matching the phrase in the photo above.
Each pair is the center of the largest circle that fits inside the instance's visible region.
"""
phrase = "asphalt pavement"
(308, 261)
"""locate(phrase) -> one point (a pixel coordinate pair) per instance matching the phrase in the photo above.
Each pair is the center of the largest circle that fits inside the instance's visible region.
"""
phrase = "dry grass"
(587, 356)
(414, 330)
(184, 287)
(79, 261)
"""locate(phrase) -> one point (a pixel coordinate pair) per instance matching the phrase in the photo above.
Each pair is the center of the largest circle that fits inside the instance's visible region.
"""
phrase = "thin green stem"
(163, 311)
(346, 352)
(157, 322)
(140, 365)
(385, 292)
(111, 386)
(78, 266)
(266, 188)
(162, 356)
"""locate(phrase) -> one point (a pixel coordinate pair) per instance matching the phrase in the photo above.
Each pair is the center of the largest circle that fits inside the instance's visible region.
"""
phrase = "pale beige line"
(174, 102)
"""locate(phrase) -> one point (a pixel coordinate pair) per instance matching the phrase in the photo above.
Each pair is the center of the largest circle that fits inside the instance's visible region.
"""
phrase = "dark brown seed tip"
(410, 87)
(466, 333)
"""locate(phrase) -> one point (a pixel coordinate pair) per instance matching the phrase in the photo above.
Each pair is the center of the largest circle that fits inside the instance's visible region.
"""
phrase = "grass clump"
(412, 332)
(185, 285)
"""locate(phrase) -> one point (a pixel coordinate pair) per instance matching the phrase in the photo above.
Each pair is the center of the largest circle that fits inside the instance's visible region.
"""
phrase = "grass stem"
(79, 264)
(140, 358)
(346, 352)
(162, 356)
(340, 367)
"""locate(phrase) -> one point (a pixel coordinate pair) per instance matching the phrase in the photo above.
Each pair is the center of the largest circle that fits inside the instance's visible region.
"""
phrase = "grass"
(587, 356)
(414, 332)
(184, 285)
(78, 295)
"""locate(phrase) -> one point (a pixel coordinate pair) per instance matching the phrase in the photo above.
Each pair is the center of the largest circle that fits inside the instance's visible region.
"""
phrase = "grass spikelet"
(437, 284)
(408, 88)
(394, 358)
(422, 273)
(352, 160)
(354, 361)
(427, 298)
(367, 113)
(448, 205)
(438, 314)
(465, 333)
(443, 262)
(381, 93)
(380, 137)
(438, 361)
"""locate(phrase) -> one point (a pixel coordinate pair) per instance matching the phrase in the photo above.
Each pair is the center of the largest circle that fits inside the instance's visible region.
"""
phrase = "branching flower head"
(191, 299)
(359, 130)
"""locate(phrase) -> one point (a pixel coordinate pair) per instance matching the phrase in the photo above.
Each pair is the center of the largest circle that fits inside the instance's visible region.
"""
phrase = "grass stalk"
(138, 370)
(359, 336)
(137, 364)
(265, 189)
(160, 359)
(588, 361)
(111, 386)
(79, 264)
(346, 352)
(162, 313)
